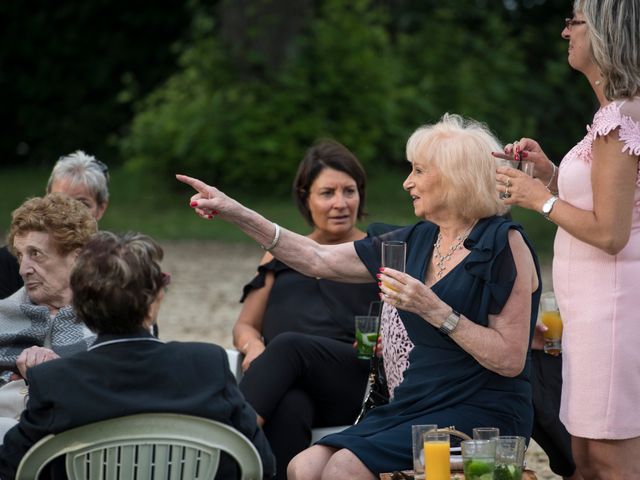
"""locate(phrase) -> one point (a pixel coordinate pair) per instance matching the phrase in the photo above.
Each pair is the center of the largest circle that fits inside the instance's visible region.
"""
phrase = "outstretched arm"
(335, 262)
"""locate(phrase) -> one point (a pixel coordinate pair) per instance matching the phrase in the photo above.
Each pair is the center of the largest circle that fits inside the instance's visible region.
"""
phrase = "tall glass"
(437, 456)
(550, 317)
(394, 255)
(417, 440)
(509, 458)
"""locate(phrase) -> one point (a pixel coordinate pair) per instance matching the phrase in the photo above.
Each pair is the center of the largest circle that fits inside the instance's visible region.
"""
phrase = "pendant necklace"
(441, 260)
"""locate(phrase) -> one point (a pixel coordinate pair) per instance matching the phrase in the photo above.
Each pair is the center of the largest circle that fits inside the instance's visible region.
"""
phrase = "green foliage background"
(234, 91)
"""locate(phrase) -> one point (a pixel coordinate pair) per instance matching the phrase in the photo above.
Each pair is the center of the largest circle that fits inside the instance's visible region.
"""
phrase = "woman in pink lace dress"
(596, 267)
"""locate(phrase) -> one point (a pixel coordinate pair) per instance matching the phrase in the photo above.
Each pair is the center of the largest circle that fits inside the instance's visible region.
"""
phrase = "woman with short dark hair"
(296, 331)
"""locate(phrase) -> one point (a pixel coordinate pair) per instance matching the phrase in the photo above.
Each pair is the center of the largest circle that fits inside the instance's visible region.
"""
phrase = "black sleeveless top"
(298, 303)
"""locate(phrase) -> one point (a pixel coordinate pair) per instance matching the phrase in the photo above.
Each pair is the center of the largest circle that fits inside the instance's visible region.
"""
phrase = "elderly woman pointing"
(467, 301)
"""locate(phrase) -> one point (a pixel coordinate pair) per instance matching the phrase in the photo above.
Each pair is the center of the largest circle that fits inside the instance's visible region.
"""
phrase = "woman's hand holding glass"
(529, 149)
(523, 190)
(407, 293)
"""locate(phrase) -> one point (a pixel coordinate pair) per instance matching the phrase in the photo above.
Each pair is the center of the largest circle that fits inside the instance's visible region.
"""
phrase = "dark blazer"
(128, 374)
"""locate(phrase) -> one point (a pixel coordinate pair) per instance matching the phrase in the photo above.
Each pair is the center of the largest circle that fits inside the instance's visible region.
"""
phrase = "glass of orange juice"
(550, 317)
(437, 461)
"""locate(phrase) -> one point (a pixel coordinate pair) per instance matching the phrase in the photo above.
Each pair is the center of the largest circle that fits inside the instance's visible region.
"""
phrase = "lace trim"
(605, 121)
(396, 346)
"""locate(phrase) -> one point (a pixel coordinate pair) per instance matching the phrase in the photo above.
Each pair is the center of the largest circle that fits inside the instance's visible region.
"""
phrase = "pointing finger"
(198, 185)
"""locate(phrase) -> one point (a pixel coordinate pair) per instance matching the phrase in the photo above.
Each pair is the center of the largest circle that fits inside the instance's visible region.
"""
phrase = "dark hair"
(326, 154)
(115, 280)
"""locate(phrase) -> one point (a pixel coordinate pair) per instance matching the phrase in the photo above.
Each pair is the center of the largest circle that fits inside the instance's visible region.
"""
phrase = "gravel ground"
(202, 302)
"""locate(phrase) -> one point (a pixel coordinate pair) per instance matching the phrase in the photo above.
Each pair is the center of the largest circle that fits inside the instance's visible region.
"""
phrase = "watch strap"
(548, 206)
(450, 323)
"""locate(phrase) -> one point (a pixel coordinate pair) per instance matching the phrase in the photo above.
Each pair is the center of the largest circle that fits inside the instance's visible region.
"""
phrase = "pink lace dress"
(599, 299)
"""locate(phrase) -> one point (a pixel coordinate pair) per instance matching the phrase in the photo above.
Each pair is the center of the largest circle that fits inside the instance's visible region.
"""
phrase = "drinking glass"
(509, 458)
(525, 166)
(478, 459)
(437, 461)
(417, 442)
(485, 433)
(550, 317)
(394, 254)
(367, 330)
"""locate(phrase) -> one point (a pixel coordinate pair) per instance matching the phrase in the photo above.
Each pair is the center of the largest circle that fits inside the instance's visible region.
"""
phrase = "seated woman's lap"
(390, 449)
(326, 369)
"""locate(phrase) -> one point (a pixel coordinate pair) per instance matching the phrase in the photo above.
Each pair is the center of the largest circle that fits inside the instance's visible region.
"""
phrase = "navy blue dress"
(443, 384)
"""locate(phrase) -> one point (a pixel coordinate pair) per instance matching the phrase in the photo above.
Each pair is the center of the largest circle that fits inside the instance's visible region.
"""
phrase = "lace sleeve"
(624, 115)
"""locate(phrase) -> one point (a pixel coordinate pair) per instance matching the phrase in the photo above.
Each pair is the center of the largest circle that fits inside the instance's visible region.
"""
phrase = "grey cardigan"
(23, 325)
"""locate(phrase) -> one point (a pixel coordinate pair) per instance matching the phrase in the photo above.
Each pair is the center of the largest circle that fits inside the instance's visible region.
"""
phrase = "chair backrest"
(147, 446)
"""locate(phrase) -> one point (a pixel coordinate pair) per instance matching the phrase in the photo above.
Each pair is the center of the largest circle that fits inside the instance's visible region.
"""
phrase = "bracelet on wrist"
(276, 239)
(553, 175)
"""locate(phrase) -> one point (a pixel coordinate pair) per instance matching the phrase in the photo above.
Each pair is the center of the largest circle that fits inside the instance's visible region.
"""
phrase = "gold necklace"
(441, 260)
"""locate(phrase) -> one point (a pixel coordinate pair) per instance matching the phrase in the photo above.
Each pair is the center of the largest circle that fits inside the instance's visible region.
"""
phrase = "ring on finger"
(508, 183)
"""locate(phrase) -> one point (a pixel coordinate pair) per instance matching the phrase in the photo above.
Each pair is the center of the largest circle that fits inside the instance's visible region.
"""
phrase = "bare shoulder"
(523, 257)
(266, 258)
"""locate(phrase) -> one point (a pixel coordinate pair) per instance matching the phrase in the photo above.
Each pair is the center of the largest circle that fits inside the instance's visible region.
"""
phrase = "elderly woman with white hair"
(78, 175)
(468, 301)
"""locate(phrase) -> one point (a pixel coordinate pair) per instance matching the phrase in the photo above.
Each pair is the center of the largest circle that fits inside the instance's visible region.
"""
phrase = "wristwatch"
(548, 206)
(450, 323)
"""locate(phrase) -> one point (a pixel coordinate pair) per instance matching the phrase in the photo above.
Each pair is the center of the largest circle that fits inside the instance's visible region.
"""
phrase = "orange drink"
(388, 285)
(550, 317)
(436, 456)
(553, 322)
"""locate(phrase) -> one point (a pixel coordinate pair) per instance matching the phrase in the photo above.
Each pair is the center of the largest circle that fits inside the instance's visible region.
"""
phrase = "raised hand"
(209, 201)
(529, 149)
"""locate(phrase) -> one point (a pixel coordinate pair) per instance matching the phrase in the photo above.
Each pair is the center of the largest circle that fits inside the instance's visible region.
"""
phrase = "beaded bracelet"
(276, 239)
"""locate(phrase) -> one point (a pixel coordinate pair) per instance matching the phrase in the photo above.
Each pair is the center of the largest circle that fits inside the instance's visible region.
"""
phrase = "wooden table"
(526, 475)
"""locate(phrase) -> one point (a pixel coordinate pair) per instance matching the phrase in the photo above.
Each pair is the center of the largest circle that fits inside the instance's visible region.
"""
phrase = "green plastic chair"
(147, 446)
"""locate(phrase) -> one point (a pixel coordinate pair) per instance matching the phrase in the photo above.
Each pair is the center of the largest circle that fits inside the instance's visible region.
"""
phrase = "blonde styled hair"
(460, 149)
(614, 33)
(68, 221)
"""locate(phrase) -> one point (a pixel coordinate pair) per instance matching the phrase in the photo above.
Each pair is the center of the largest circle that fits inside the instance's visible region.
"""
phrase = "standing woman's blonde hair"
(614, 32)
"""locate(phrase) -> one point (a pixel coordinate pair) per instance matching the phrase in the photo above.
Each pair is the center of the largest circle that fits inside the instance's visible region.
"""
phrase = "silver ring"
(507, 184)
(506, 192)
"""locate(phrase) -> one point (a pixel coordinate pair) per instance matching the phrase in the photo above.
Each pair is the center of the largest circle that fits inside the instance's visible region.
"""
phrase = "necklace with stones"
(441, 260)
